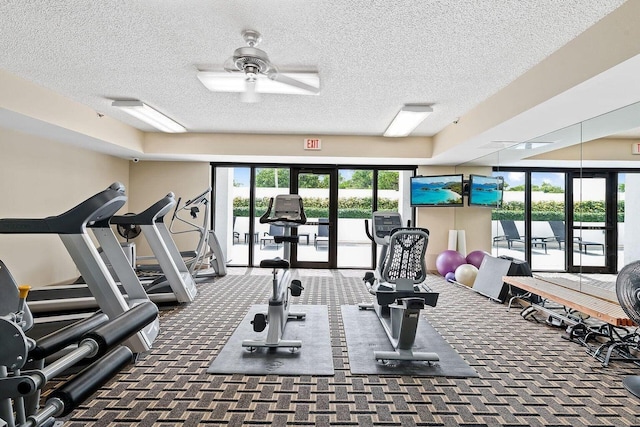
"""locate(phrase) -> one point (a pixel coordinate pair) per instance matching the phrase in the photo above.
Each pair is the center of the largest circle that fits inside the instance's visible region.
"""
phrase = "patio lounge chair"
(511, 235)
(559, 232)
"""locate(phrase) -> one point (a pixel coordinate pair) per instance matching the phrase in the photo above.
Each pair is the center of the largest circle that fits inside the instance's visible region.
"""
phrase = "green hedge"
(317, 207)
(316, 212)
(356, 207)
(588, 211)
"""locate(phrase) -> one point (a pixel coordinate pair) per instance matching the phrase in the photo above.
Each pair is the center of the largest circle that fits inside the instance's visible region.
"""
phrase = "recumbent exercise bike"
(287, 211)
(398, 284)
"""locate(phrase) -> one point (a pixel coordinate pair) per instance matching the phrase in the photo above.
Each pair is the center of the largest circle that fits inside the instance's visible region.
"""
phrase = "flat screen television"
(485, 191)
(439, 190)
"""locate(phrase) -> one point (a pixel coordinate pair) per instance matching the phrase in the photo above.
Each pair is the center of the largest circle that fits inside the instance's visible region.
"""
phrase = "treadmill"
(57, 305)
(165, 251)
(71, 226)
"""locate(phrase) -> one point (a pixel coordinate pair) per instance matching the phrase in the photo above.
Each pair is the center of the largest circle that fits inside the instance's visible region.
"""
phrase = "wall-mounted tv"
(485, 191)
(440, 190)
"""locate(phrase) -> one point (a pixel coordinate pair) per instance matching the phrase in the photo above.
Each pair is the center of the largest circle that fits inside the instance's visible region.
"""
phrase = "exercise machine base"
(406, 355)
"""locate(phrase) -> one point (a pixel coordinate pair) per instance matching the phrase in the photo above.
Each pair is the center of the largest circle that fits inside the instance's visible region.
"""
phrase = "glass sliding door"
(592, 238)
(316, 247)
(548, 221)
(355, 204)
(239, 195)
(628, 229)
(334, 236)
(508, 223)
(269, 182)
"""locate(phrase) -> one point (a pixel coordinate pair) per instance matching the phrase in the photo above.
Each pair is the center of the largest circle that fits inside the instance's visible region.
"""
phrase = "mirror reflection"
(563, 207)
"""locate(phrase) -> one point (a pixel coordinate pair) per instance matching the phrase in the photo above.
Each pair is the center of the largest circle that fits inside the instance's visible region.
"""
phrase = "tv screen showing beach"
(442, 190)
(485, 191)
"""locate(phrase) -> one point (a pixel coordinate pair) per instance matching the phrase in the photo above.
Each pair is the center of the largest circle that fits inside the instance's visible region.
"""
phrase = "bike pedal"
(259, 322)
(296, 288)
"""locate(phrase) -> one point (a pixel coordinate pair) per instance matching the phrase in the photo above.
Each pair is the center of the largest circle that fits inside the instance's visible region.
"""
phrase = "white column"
(223, 208)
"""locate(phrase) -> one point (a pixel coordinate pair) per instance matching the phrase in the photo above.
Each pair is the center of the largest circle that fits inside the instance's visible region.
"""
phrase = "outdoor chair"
(267, 237)
(323, 232)
(558, 229)
(511, 235)
(236, 235)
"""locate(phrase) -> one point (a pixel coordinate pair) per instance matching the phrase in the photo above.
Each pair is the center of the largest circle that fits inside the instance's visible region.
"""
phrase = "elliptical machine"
(285, 210)
(398, 284)
(208, 248)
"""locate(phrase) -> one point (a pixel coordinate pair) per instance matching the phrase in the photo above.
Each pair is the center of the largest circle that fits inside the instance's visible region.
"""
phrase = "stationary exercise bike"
(398, 284)
(287, 211)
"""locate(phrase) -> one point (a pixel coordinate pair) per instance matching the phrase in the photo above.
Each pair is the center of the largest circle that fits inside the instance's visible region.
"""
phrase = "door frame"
(332, 243)
(609, 228)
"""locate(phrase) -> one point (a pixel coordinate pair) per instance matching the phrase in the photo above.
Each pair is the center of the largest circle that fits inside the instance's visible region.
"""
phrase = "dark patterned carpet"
(528, 375)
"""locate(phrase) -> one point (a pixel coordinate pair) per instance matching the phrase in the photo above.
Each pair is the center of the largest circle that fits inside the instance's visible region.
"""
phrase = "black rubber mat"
(313, 358)
(365, 334)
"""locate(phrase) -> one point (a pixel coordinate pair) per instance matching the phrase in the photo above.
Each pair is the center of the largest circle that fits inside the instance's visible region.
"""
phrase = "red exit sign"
(312, 144)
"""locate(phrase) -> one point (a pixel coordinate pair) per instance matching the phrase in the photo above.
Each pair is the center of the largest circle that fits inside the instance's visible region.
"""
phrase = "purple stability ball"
(475, 258)
(448, 261)
(450, 276)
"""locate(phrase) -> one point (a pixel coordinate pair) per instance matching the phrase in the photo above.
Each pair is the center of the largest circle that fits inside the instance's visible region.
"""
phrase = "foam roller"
(56, 341)
(90, 379)
(122, 327)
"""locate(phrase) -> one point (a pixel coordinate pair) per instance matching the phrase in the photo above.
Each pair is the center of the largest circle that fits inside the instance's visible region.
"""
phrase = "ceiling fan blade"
(250, 95)
(283, 78)
(222, 81)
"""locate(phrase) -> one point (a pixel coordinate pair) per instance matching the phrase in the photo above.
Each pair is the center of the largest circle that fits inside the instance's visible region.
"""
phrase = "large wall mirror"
(570, 198)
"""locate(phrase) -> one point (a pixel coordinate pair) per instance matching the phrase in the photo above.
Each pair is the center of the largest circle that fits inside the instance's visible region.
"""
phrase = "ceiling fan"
(250, 72)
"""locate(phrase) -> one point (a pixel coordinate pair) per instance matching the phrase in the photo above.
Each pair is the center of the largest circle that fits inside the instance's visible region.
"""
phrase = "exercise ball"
(475, 258)
(448, 261)
(450, 276)
(466, 274)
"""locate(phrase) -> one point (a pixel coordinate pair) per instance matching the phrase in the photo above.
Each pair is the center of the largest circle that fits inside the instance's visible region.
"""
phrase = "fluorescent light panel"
(407, 119)
(142, 111)
(224, 81)
(531, 145)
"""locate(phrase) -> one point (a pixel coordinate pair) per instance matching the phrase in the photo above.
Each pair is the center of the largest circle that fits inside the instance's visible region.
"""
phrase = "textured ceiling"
(372, 56)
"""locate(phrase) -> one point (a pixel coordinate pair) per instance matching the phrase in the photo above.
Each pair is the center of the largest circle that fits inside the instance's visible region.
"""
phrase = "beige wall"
(437, 220)
(151, 181)
(475, 221)
(40, 178)
(229, 146)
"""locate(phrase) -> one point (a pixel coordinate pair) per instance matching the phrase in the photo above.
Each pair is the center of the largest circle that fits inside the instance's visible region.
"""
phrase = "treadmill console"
(383, 224)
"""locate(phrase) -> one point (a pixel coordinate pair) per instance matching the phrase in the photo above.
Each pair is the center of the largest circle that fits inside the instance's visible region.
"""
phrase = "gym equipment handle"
(122, 327)
(56, 341)
(98, 207)
(90, 379)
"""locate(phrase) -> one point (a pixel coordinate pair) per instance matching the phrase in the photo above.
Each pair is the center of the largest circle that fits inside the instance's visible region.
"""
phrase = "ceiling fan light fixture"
(249, 95)
(407, 119)
(142, 111)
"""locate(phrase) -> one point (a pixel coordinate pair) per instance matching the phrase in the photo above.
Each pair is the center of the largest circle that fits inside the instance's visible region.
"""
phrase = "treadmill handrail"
(154, 213)
(96, 208)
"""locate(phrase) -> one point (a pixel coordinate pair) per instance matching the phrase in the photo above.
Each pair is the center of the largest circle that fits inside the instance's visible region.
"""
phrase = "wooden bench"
(592, 305)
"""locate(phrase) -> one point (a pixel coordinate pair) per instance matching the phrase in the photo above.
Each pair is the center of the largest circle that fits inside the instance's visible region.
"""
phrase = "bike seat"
(274, 263)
